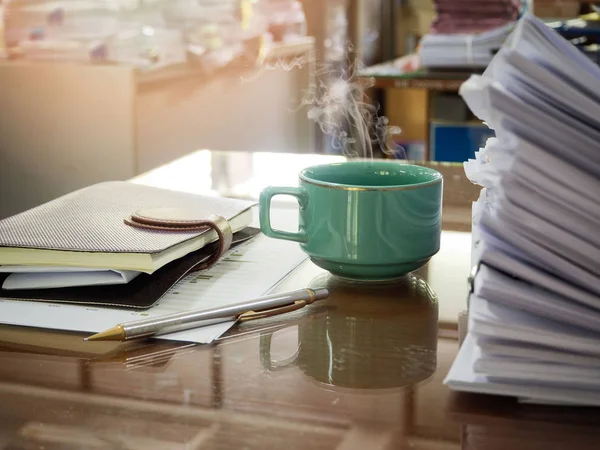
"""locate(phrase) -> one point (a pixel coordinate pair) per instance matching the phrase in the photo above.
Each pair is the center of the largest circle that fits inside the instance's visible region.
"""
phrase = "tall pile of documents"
(467, 33)
(534, 310)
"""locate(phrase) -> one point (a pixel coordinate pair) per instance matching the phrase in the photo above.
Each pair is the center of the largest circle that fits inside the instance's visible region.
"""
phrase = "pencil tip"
(112, 334)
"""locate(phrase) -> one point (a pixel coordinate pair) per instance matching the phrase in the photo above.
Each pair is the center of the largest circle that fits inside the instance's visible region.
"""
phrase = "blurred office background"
(95, 90)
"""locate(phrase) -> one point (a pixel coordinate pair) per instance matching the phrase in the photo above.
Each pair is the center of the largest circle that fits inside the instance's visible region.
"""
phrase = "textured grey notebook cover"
(91, 219)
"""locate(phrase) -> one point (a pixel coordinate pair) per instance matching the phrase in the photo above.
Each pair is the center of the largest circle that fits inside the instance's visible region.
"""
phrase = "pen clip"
(251, 315)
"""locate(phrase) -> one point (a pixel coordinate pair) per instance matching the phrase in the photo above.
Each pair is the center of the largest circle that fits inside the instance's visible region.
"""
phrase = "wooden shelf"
(392, 74)
(278, 51)
(431, 84)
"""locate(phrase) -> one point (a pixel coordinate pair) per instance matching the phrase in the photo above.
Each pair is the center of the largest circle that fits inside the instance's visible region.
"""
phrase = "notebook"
(142, 292)
(86, 228)
(250, 270)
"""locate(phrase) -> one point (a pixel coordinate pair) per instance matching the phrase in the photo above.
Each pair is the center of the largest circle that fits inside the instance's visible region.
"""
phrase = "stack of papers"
(79, 297)
(249, 271)
(534, 310)
(148, 34)
(61, 30)
(466, 50)
(473, 16)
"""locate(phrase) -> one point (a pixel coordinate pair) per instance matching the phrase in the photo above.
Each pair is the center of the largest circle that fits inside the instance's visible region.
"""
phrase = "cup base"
(369, 272)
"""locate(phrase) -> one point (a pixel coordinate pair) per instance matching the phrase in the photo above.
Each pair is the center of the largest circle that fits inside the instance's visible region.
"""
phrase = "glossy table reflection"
(361, 370)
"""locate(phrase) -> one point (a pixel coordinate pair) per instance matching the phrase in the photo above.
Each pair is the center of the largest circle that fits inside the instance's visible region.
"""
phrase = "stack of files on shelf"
(534, 310)
(60, 30)
(474, 50)
(133, 33)
(473, 16)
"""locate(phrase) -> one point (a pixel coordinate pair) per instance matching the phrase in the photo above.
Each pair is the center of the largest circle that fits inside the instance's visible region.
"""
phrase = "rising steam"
(337, 102)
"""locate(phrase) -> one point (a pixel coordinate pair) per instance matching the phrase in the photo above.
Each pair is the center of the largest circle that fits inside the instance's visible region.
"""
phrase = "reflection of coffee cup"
(374, 220)
(370, 336)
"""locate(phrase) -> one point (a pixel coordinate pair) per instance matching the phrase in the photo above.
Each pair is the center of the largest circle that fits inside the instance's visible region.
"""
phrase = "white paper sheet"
(462, 377)
(543, 206)
(547, 176)
(496, 349)
(246, 272)
(558, 240)
(541, 372)
(44, 277)
(511, 265)
(491, 320)
(499, 288)
(513, 115)
(537, 254)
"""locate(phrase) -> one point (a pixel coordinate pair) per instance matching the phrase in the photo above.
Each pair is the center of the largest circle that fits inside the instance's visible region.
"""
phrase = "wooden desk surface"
(361, 370)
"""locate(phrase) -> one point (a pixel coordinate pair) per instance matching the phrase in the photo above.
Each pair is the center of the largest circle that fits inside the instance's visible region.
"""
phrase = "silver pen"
(267, 306)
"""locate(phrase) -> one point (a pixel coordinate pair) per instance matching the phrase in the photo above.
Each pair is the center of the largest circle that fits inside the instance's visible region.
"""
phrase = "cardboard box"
(458, 195)
(556, 9)
(420, 14)
(410, 150)
(413, 22)
(449, 107)
(407, 109)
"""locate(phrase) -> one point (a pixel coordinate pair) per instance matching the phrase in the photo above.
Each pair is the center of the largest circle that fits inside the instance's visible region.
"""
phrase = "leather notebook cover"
(141, 293)
(89, 223)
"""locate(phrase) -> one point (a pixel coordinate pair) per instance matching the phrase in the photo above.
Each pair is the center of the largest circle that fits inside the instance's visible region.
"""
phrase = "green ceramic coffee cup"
(369, 220)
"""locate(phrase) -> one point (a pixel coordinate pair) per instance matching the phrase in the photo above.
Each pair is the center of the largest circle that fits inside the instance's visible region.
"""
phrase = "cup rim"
(356, 187)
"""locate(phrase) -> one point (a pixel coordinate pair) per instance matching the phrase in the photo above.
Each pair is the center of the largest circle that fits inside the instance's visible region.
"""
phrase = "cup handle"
(265, 355)
(265, 212)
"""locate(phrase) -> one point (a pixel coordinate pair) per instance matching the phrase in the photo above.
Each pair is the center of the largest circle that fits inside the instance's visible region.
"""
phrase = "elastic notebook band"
(177, 220)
